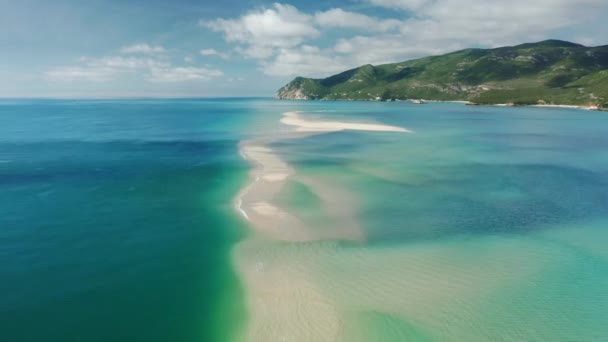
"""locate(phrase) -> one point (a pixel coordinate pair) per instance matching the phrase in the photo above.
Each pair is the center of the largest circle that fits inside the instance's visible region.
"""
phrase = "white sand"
(293, 119)
(545, 106)
(566, 106)
(270, 173)
(254, 201)
(266, 209)
(284, 300)
(322, 292)
(584, 107)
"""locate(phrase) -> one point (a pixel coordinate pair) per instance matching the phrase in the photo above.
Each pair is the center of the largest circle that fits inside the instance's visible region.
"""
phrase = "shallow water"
(465, 228)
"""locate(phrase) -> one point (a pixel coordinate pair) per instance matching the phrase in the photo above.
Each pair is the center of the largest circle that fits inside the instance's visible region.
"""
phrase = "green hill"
(550, 72)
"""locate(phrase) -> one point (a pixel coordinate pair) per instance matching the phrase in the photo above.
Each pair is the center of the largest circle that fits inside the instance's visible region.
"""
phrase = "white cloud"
(109, 68)
(400, 4)
(281, 37)
(101, 69)
(182, 74)
(305, 61)
(508, 18)
(142, 49)
(337, 17)
(214, 52)
(267, 29)
(255, 51)
(380, 50)
(442, 26)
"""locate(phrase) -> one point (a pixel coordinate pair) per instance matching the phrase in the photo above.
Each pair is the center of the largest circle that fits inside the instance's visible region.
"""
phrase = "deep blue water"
(116, 219)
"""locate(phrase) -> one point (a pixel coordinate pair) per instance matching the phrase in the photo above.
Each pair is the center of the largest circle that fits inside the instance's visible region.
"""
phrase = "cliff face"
(293, 92)
(546, 72)
(301, 89)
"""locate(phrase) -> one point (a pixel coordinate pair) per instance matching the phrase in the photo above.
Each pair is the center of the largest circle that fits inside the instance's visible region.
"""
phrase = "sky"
(188, 48)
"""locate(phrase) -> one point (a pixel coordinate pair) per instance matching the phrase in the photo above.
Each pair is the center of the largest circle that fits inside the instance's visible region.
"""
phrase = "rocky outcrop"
(292, 93)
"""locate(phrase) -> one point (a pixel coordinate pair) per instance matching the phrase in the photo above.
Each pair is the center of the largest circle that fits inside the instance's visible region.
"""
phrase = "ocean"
(212, 220)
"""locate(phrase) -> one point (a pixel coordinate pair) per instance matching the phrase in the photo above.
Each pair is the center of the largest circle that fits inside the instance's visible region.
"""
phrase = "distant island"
(551, 72)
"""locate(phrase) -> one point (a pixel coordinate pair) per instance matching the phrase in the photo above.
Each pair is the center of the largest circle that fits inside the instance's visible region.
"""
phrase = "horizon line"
(2, 98)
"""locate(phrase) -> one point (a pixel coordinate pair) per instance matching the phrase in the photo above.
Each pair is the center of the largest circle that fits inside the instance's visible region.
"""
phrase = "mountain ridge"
(547, 72)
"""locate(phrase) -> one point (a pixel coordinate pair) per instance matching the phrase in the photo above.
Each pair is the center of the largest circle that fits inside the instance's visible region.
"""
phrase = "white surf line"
(243, 155)
(238, 203)
(268, 167)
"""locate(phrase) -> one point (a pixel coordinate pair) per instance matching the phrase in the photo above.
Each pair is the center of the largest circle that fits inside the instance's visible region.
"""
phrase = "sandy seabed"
(303, 283)
(285, 301)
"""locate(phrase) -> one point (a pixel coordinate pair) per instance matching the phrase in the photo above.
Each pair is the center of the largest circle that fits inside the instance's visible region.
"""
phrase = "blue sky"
(153, 48)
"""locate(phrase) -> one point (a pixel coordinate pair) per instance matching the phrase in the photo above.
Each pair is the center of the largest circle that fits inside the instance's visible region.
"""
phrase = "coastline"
(466, 102)
(593, 108)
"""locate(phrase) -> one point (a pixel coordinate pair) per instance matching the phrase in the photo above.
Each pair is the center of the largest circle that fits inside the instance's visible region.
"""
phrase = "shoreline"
(466, 102)
(590, 108)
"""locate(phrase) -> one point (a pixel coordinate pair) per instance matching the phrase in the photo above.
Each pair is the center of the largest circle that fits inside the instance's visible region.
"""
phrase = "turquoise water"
(117, 222)
(481, 170)
(484, 224)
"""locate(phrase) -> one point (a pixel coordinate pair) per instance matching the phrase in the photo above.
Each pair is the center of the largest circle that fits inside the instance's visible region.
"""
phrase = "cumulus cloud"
(304, 60)
(142, 49)
(256, 51)
(266, 32)
(505, 19)
(282, 37)
(214, 52)
(401, 4)
(446, 25)
(276, 27)
(339, 18)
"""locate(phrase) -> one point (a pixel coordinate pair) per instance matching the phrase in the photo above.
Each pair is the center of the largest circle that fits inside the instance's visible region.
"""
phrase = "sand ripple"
(283, 296)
